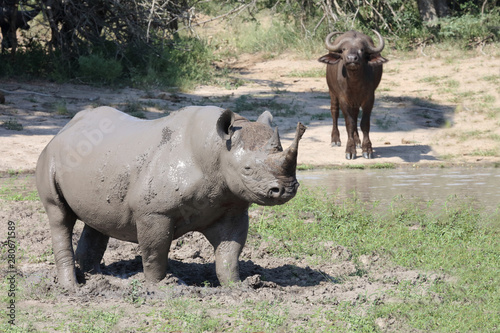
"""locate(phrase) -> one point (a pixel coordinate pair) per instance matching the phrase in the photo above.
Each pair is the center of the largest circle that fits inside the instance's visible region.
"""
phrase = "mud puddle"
(479, 185)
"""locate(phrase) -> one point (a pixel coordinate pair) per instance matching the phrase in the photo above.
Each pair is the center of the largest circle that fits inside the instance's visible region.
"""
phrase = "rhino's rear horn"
(274, 143)
(225, 125)
(266, 118)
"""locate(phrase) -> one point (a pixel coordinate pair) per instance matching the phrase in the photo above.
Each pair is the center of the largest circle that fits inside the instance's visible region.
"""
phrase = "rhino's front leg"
(154, 234)
(228, 236)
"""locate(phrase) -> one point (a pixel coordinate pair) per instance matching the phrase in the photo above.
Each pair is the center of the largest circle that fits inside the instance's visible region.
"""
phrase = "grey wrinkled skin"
(354, 71)
(151, 181)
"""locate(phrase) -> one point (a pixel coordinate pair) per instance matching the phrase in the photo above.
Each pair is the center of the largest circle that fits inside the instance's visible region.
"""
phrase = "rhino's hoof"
(335, 144)
(350, 156)
(368, 155)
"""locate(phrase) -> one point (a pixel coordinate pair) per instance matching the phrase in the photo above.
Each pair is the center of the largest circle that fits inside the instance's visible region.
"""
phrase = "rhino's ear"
(225, 125)
(266, 118)
(330, 58)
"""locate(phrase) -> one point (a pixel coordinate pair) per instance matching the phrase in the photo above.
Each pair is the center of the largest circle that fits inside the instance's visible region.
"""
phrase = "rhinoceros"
(151, 181)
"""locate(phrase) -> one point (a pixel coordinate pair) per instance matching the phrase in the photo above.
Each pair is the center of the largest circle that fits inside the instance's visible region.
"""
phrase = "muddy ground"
(300, 285)
(430, 110)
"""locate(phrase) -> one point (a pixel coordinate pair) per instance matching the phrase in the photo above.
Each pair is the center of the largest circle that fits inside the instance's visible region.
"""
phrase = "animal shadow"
(202, 274)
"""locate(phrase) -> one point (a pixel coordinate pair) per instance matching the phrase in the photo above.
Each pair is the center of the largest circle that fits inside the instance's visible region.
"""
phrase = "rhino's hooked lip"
(283, 193)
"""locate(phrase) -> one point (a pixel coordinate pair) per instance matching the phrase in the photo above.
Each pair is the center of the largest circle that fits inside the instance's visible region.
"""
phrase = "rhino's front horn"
(290, 161)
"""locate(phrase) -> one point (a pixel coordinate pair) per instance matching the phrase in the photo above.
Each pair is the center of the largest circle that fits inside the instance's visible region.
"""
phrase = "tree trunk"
(442, 8)
(431, 10)
(12, 32)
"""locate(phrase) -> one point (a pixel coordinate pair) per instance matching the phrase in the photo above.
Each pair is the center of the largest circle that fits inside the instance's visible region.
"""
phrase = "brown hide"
(354, 70)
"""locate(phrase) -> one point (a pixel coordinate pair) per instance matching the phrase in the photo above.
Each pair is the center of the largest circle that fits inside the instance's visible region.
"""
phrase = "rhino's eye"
(247, 171)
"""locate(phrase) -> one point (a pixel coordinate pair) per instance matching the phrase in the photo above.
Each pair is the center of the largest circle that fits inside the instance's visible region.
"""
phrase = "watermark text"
(10, 245)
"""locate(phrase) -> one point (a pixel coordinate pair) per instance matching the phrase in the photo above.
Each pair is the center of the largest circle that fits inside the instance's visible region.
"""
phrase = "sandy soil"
(428, 111)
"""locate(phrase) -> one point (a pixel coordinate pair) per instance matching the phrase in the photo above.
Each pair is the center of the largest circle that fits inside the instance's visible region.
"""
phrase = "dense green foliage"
(154, 53)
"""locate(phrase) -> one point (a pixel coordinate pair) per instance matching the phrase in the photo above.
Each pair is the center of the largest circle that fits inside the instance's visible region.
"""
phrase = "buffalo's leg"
(365, 128)
(228, 237)
(334, 110)
(356, 138)
(61, 221)
(90, 249)
(351, 117)
(154, 234)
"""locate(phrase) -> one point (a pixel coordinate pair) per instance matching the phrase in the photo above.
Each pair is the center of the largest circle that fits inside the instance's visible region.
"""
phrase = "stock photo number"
(10, 245)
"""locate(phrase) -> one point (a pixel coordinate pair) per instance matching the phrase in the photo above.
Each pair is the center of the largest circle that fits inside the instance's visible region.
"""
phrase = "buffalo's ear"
(330, 58)
(225, 125)
(377, 59)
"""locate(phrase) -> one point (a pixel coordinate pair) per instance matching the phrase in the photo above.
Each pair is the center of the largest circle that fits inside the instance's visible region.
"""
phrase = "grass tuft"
(13, 125)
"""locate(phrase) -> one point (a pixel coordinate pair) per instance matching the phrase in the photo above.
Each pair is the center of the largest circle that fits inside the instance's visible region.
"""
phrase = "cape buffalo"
(353, 72)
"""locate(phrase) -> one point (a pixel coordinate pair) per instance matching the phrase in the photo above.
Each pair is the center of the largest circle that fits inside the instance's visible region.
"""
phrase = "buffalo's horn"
(328, 41)
(380, 45)
(274, 143)
(290, 162)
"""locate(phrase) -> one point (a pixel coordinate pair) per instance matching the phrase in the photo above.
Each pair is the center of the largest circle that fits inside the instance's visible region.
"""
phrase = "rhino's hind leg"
(62, 220)
(228, 237)
(90, 249)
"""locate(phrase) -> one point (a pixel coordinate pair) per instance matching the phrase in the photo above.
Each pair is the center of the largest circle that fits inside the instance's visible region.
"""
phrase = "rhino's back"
(100, 127)
(107, 164)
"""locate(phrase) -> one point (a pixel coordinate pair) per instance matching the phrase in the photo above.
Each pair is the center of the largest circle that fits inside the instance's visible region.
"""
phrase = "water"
(481, 185)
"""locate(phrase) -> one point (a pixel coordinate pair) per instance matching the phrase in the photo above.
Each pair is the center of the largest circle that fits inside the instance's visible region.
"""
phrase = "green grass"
(250, 103)
(135, 109)
(322, 116)
(61, 108)
(13, 125)
(355, 166)
(320, 72)
(382, 166)
(491, 78)
(91, 320)
(13, 190)
(484, 152)
(385, 123)
(305, 167)
(458, 241)
(431, 79)
(454, 246)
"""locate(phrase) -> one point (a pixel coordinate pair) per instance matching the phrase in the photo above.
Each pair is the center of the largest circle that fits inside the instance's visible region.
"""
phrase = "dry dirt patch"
(427, 110)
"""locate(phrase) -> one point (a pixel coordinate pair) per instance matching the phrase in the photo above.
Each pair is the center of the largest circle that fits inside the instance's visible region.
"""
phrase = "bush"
(468, 27)
(98, 70)
(183, 64)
